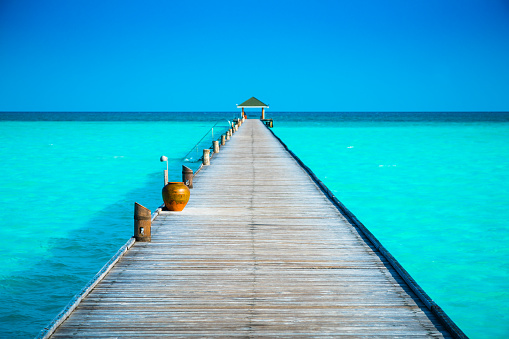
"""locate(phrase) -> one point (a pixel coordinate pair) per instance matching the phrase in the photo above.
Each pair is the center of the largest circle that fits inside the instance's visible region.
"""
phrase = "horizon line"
(223, 111)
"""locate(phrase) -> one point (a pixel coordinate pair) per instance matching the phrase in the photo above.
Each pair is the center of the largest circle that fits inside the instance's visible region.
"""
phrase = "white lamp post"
(164, 158)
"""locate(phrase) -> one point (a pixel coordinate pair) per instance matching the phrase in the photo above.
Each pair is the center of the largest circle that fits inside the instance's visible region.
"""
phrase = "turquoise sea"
(433, 187)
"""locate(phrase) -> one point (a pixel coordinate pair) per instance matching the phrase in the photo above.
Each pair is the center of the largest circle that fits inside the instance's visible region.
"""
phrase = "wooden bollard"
(206, 157)
(142, 223)
(187, 176)
(228, 135)
(216, 146)
(223, 140)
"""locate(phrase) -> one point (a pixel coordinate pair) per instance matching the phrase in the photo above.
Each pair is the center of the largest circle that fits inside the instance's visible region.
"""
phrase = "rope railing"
(196, 153)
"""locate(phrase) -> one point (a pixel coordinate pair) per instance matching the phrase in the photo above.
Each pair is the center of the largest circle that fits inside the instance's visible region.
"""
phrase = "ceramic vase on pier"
(176, 196)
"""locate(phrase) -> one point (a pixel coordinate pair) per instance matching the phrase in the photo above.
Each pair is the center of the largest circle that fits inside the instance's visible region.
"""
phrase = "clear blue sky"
(338, 55)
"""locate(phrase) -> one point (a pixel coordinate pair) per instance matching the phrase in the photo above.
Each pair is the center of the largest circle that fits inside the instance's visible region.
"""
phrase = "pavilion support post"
(263, 113)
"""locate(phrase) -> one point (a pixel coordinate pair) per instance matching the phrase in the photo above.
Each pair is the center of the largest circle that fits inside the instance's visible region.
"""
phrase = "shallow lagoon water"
(435, 193)
(68, 189)
(433, 188)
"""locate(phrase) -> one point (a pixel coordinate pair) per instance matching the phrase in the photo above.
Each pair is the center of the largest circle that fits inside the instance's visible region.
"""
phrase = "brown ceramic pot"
(175, 196)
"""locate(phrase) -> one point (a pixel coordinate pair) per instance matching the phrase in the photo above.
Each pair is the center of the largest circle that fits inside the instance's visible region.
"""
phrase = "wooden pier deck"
(259, 251)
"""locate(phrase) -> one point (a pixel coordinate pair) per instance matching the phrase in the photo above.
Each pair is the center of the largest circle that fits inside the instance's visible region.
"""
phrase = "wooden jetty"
(263, 249)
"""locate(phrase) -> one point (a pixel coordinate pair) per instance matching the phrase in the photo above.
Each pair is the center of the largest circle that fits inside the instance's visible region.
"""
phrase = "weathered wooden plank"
(258, 251)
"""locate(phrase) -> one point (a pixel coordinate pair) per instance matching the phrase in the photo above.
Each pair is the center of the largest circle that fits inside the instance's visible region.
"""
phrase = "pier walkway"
(259, 251)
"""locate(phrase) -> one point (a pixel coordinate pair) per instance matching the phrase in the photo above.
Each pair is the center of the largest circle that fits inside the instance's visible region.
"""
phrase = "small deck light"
(164, 158)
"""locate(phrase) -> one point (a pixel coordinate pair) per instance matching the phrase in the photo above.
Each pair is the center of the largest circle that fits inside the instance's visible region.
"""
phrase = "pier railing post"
(216, 146)
(142, 223)
(206, 157)
(187, 176)
(223, 140)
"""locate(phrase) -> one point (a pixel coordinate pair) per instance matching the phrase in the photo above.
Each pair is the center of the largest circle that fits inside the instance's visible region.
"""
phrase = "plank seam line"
(448, 323)
(76, 300)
